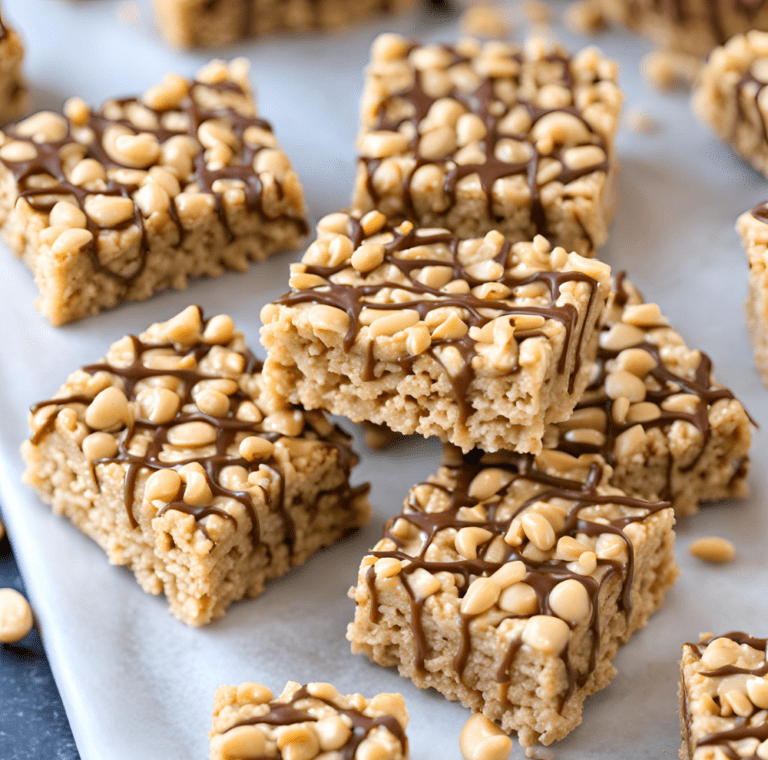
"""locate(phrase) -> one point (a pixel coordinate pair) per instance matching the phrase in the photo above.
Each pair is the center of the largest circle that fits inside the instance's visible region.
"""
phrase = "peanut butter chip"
(481, 739)
(713, 549)
(15, 616)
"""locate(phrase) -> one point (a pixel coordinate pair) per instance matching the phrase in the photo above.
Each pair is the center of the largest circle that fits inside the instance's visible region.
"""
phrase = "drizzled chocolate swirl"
(398, 242)
(725, 740)
(492, 110)
(287, 714)
(542, 576)
(228, 428)
(87, 141)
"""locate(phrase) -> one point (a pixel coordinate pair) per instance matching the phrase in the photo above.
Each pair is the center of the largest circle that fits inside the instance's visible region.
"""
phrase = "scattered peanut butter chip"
(15, 616)
(713, 549)
(666, 70)
(481, 739)
(378, 436)
(585, 17)
(640, 121)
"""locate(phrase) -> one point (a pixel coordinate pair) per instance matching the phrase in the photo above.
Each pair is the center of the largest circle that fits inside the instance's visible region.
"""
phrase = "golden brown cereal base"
(242, 705)
(693, 34)
(675, 461)
(200, 23)
(531, 703)
(510, 411)
(71, 287)
(13, 93)
(735, 116)
(754, 237)
(170, 554)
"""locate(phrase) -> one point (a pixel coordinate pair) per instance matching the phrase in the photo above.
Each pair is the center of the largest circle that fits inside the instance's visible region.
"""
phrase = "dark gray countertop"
(33, 724)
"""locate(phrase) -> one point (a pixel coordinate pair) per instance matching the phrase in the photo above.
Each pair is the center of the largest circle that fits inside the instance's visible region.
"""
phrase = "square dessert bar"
(305, 722)
(13, 92)
(508, 582)
(170, 455)
(688, 26)
(210, 23)
(477, 341)
(116, 204)
(753, 228)
(655, 412)
(481, 137)
(724, 698)
(730, 96)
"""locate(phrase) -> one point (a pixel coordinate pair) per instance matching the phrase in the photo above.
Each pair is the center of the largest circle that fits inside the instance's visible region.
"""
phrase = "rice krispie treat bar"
(305, 722)
(481, 137)
(170, 455)
(655, 412)
(508, 583)
(688, 26)
(477, 341)
(211, 23)
(730, 96)
(13, 92)
(724, 698)
(753, 228)
(116, 204)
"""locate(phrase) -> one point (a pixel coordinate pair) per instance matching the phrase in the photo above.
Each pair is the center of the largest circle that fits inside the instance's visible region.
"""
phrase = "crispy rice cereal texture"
(731, 97)
(13, 92)
(688, 26)
(169, 454)
(492, 136)
(116, 204)
(477, 341)
(306, 722)
(753, 228)
(508, 584)
(724, 698)
(656, 413)
(213, 23)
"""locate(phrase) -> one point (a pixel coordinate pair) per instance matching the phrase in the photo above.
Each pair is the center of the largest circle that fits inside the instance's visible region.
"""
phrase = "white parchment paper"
(138, 684)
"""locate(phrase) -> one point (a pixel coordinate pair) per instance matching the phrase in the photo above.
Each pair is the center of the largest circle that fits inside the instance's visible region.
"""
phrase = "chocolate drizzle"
(87, 141)
(286, 714)
(542, 576)
(492, 110)
(742, 730)
(228, 428)
(352, 299)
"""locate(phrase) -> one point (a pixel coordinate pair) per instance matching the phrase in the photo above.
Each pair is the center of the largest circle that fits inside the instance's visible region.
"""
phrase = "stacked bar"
(477, 341)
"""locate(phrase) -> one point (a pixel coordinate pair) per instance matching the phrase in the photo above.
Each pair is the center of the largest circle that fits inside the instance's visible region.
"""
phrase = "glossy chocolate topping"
(492, 110)
(89, 143)
(352, 299)
(286, 714)
(725, 740)
(141, 444)
(542, 576)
